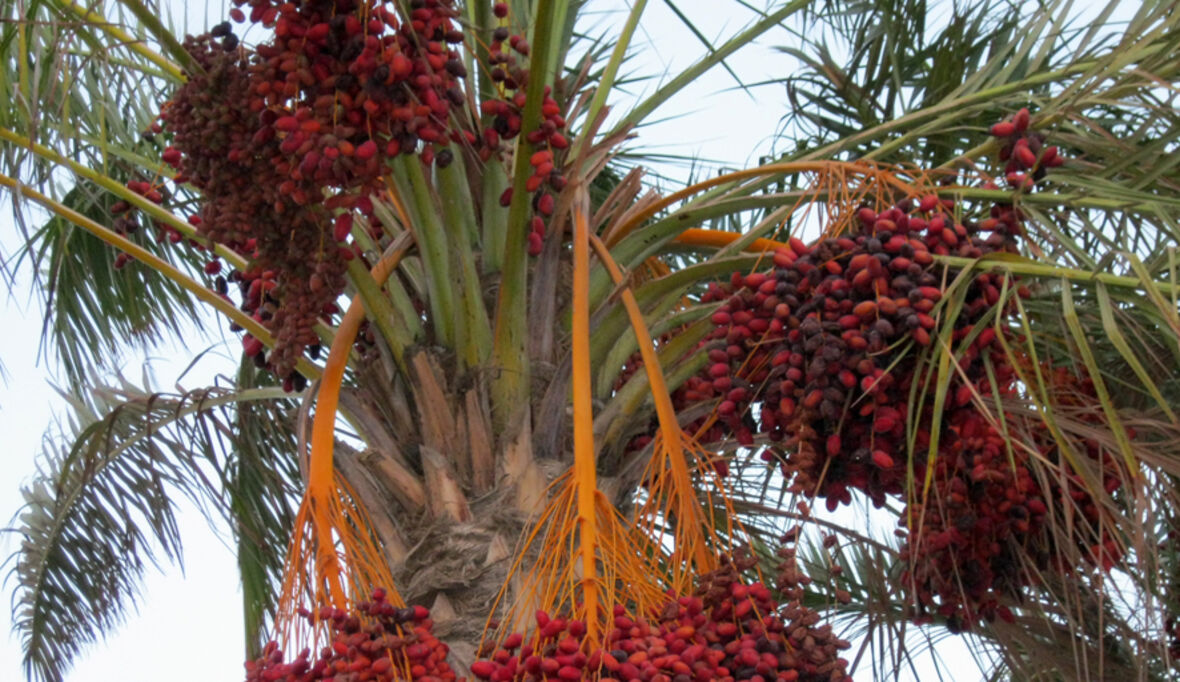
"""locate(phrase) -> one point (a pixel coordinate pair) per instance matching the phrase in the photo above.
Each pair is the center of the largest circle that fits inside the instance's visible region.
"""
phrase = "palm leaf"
(90, 304)
(86, 92)
(261, 480)
(103, 506)
(80, 87)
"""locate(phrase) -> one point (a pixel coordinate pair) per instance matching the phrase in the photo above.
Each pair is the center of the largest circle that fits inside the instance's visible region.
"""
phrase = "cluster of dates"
(289, 141)
(826, 344)
(1025, 156)
(976, 534)
(282, 138)
(379, 643)
(346, 84)
(728, 631)
(822, 359)
(295, 272)
(506, 121)
(127, 221)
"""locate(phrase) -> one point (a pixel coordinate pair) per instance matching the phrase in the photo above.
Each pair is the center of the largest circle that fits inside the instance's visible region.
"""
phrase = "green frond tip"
(151, 23)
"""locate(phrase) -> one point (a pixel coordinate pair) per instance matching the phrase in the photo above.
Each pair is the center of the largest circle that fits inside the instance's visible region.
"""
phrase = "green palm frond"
(869, 63)
(88, 92)
(93, 305)
(261, 479)
(103, 505)
(76, 86)
(898, 95)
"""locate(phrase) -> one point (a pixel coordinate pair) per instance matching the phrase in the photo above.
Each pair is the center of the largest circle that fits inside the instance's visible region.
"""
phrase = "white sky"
(189, 626)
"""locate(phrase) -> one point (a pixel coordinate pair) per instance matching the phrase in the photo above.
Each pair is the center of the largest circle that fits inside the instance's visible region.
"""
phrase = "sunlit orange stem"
(625, 227)
(320, 479)
(585, 474)
(665, 411)
(696, 236)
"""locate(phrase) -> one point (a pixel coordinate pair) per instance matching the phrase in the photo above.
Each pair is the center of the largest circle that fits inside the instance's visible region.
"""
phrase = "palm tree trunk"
(447, 502)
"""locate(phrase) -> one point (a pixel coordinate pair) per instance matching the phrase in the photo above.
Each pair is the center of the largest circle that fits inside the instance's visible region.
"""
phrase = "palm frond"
(103, 507)
(87, 90)
(93, 304)
(260, 480)
(81, 86)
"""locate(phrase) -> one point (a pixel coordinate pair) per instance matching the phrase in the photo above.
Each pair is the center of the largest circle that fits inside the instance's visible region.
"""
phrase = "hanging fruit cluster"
(820, 643)
(380, 642)
(975, 537)
(822, 357)
(280, 138)
(505, 115)
(347, 84)
(827, 343)
(127, 222)
(296, 270)
(963, 556)
(289, 141)
(728, 630)
(1024, 152)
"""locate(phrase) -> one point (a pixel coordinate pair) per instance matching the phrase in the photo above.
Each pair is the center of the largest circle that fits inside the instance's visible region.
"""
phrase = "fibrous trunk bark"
(447, 499)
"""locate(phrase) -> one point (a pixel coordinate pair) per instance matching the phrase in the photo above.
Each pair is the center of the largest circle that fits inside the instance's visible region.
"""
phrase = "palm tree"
(455, 171)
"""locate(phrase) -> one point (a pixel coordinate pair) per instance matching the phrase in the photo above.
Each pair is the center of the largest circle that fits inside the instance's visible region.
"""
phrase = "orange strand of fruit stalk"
(532, 587)
(692, 545)
(398, 204)
(828, 171)
(555, 581)
(588, 559)
(585, 473)
(695, 236)
(326, 511)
